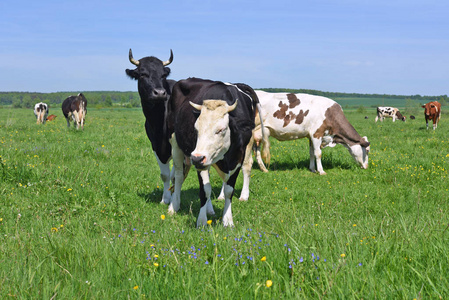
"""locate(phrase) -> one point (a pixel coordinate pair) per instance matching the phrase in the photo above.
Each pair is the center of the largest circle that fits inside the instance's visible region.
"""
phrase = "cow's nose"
(198, 160)
(159, 93)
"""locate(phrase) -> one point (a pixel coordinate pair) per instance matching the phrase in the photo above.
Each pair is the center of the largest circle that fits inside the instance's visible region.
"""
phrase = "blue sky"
(385, 47)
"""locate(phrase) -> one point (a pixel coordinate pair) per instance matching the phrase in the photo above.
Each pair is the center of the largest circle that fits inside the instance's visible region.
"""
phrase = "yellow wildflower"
(263, 258)
(163, 217)
(136, 287)
(269, 283)
(209, 222)
(343, 255)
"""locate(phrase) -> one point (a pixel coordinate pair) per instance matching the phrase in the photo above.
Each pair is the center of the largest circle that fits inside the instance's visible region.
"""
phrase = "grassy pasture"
(80, 217)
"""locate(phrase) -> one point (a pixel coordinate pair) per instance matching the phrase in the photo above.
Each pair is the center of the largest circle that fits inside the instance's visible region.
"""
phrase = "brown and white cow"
(295, 116)
(75, 107)
(41, 112)
(51, 117)
(432, 111)
(389, 112)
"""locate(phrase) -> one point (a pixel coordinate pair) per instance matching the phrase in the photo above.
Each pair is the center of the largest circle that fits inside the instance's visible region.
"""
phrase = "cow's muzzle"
(198, 161)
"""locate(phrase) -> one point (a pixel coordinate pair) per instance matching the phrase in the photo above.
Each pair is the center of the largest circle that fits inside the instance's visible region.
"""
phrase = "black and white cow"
(75, 108)
(154, 90)
(388, 112)
(212, 124)
(41, 112)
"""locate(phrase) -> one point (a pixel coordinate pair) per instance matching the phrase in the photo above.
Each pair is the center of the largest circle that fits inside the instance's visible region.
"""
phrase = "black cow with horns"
(154, 90)
(212, 124)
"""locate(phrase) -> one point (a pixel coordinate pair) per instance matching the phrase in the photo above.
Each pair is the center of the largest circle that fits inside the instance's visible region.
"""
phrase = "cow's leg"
(246, 168)
(316, 151)
(427, 123)
(206, 203)
(229, 191)
(312, 166)
(165, 176)
(178, 159)
(377, 118)
(434, 123)
(68, 123)
(262, 141)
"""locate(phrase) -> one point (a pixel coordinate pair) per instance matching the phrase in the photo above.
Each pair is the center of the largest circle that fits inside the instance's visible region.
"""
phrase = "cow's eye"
(220, 131)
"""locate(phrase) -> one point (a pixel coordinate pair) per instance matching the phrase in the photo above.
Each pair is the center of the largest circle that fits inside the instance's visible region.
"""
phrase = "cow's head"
(360, 152)
(151, 74)
(214, 134)
(399, 116)
(430, 109)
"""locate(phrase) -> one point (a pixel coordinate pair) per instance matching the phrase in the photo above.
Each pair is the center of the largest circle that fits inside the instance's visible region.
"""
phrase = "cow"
(51, 117)
(75, 107)
(288, 116)
(412, 117)
(389, 112)
(211, 123)
(41, 112)
(432, 111)
(155, 89)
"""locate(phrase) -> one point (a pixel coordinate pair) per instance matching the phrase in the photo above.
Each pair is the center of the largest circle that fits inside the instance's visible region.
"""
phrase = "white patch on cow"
(207, 191)
(227, 210)
(214, 134)
(202, 217)
(165, 177)
(178, 159)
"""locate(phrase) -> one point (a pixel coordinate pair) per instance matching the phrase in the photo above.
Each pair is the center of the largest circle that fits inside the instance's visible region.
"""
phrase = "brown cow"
(432, 111)
(51, 117)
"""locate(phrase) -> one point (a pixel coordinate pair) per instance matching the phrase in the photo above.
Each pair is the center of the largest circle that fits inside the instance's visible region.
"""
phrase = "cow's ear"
(134, 74)
(423, 106)
(166, 71)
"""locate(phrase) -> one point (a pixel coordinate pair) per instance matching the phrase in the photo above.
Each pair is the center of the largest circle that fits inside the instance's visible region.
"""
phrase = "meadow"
(80, 217)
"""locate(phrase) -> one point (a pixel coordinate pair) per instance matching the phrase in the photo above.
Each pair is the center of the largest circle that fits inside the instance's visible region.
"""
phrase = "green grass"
(80, 217)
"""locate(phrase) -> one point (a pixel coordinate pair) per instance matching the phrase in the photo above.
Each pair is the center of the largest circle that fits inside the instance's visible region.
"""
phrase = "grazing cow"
(41, 112)
(215, 132)
(75, 107)
(51, 117)
(432, 111)
(389, 112)
(154, 90)
(412, 117)
(366, 117)
(321, 120)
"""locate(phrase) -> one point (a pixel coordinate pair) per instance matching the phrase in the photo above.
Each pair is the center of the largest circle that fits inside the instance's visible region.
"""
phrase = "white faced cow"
(389, 112)
(295, 116)
(212, 124)
(41, 112)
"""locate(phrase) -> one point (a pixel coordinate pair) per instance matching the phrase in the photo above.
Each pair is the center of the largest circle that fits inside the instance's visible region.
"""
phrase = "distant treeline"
(94, 99)
(334, 95)
(131, 99)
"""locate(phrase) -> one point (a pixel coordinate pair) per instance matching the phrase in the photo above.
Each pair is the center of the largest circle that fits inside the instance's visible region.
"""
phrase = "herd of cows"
(211, 123)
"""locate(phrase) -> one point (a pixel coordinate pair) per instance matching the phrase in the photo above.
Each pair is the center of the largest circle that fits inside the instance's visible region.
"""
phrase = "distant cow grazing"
(388, 112)
(154, 90)
(41, 112)
(432, 111)
(295, 116)
(51, 117)
(215, 132)
(75, 107)
(412, 117)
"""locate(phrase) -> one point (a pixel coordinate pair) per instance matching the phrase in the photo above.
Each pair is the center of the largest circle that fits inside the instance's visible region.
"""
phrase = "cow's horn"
(132, 60)
(233, 106)
(195, 106)
(169, 61)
